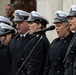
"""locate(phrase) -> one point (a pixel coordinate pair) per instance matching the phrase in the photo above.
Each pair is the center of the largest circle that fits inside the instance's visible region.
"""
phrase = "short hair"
(11, 7)
(43, 24)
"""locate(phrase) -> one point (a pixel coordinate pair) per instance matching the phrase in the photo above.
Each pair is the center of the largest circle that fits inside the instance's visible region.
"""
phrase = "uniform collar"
(68, 38)
(23, 35)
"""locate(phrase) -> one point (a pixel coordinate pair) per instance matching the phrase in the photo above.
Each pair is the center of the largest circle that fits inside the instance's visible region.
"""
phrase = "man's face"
(72, 23)
(9, 11)
(22, 27)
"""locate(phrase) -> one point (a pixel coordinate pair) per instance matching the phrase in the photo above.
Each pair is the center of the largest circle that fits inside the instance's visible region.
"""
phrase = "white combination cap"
(60, 16)
(35, 16)
(72, 12)
(6, 29)
(20, 15)
(5, 20)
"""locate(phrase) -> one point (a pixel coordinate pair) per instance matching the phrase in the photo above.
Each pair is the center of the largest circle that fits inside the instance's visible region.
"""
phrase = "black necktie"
(22, 38)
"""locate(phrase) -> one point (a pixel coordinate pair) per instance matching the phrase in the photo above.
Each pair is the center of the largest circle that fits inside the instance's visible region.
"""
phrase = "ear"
(39, 26)
(68, 27)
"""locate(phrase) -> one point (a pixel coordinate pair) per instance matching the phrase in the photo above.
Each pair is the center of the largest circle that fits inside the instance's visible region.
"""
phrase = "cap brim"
(57, 20)
(70, 15)
(8, 32)
(17, 20)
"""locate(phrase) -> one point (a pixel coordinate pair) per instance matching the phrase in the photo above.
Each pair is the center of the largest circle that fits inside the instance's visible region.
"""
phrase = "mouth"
(18, 29)
(70, 24)
(57, 32)
(29, 28)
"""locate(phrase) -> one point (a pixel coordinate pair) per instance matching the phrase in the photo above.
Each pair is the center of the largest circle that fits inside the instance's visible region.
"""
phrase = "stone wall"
(49, 7)
(3, 4)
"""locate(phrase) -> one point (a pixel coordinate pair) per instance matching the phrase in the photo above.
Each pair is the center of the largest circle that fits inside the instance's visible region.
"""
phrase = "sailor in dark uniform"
(6, 21)
(37, 48)
(70, 62)
(57, 50)
(17, 44)
(6, 33)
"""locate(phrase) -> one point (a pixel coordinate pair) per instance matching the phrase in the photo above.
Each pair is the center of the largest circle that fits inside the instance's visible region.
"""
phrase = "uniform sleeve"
(47, 67)
(73, 54)
(9, 52)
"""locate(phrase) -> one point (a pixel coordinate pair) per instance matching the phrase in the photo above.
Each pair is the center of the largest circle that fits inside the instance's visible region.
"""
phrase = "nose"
(56, 28)
(69, 21)
(17, 25)
(28, 24)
